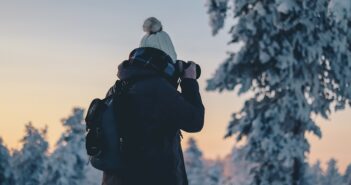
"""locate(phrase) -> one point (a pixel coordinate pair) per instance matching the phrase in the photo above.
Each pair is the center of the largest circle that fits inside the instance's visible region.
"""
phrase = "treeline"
(234, 170)
(66, 165)
(32, 164)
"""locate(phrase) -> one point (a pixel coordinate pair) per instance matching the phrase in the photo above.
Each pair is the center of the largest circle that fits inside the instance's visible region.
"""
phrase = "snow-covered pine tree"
(217, 10)
(295, 61)
(347, 175)
(29, 163)
(6, 173)
(194, 163)
(213, 173)
(314, 175)
(68, 163)
(332, 174)
(93, 176)
(237, 169)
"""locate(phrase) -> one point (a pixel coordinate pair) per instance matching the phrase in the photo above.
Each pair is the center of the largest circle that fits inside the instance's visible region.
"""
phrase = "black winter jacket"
(156, 112)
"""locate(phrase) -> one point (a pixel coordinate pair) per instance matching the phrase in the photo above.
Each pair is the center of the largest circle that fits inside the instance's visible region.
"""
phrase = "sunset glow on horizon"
(55, 56)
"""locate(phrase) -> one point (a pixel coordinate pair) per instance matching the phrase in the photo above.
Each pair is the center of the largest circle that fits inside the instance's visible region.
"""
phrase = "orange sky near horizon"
(51, 62)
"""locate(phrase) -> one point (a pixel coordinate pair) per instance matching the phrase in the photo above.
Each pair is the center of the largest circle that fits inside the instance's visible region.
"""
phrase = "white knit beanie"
(156, 38)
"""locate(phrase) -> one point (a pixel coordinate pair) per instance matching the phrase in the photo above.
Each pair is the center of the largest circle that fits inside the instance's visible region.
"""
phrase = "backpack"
(104, 138)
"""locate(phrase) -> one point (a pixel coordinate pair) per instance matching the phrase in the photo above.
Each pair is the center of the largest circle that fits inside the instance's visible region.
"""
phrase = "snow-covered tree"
(236, 168)
(332, 174)
(314, 175)
(93, 176)
(6, 173)
(29, 163)
(213, 173)
(68, 163)
(347, 175)
(217, 10)
(295, 62)
(194, 163)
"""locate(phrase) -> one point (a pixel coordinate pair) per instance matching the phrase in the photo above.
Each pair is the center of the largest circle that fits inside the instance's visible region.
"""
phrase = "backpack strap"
(120, 88)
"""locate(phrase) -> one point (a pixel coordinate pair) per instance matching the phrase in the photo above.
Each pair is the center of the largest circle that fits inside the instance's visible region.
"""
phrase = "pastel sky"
(55, 55)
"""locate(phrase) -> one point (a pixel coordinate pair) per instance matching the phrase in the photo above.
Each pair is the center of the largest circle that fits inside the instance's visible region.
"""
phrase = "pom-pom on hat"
(152, 25)
(157, 38)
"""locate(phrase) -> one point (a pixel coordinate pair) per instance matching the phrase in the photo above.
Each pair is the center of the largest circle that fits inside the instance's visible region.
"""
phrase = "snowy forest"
(68, 164)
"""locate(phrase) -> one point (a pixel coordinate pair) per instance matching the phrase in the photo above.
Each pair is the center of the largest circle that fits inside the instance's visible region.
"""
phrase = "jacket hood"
(128, 69)
(139, 58)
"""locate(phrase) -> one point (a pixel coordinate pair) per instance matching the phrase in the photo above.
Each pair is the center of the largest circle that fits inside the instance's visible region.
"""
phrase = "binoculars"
(185, 66)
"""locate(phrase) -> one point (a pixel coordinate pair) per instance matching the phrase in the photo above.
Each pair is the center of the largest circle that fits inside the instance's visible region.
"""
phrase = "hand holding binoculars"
(183, 66)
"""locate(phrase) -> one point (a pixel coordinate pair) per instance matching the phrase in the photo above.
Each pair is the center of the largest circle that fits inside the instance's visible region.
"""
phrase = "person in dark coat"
(154, 114)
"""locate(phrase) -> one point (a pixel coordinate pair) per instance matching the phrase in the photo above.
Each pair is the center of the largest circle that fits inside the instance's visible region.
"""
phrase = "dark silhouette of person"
(155, 113)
